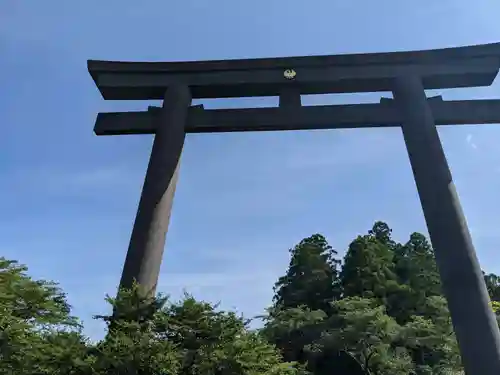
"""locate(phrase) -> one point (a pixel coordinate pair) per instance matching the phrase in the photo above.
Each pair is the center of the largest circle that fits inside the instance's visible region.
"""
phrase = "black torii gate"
(406, 74)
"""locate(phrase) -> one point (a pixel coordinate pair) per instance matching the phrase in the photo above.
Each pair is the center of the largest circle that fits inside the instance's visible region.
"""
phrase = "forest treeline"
(377, 311)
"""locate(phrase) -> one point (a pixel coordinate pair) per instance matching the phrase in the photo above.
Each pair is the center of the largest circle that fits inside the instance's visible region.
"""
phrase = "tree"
(416, 266)
(368, 335)
(493, 285)
(382, 233)
(303, 297)
(418, 276)
(37, 333)
(156, 336)
(311, 279)
(132, 345)
(368, 268)
(383, 314)
(495, 305)
(36, 302)
(146, 336)
(389, 291)
(293, 329)
(431, 339)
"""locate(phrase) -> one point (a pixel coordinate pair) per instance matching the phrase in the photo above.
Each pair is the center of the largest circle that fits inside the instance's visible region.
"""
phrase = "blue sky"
(69, 197)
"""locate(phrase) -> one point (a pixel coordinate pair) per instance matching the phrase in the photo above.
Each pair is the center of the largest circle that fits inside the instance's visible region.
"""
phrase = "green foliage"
(495, 305)
(416, 266)
(37, 334)
(292, 330)
(368, 269)
(381, 313)
(185, 338)
(311, 279)
(146, 336)
(430, 338)
(36, 302)
(368, 334)
(303, 298)
(493, 286)
(390, 317)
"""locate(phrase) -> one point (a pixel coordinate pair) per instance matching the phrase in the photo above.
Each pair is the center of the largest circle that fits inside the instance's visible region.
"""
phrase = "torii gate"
(406, 74)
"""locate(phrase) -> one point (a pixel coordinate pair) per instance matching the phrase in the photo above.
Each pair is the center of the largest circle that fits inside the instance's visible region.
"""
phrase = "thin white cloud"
(470, 142)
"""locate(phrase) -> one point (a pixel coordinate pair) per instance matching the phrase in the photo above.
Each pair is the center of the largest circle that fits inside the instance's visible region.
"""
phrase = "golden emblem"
(289, 74)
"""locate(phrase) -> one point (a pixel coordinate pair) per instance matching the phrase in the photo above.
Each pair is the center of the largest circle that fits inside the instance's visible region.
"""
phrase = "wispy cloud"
(470, 142)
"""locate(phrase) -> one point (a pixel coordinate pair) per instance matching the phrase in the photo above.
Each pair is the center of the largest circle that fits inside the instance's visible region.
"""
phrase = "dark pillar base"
(147, 242)
(462, 280)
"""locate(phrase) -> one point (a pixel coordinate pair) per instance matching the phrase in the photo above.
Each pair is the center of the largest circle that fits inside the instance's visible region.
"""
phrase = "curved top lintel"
(407, 57)
(440, 68)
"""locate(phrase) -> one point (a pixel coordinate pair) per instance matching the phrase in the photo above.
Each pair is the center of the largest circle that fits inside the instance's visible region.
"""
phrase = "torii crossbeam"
(406, 74)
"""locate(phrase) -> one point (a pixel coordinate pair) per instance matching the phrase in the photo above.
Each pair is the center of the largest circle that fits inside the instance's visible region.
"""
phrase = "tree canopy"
(378, 311)
(387, 315)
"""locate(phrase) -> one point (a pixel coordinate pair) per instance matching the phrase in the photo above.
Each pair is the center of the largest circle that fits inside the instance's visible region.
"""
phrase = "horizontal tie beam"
(385, 114)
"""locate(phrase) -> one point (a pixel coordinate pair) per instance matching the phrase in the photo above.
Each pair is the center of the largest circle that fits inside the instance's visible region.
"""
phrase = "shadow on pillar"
(147, 242)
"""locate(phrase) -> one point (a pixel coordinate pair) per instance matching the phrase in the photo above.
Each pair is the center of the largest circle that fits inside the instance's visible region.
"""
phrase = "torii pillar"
(147, 242)
(461, 276)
